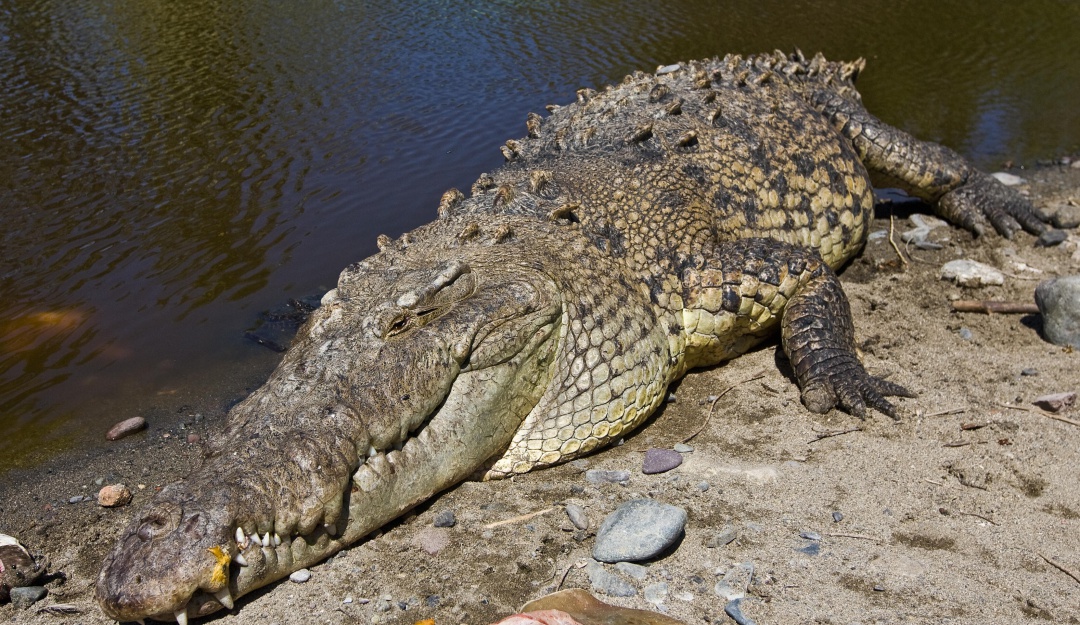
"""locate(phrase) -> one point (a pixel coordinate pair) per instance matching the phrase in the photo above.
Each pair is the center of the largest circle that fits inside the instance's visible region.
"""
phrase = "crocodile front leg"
(957, 191)
(738, 296)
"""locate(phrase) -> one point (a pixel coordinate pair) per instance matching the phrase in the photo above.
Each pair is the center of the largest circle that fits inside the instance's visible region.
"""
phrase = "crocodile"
(669, 222)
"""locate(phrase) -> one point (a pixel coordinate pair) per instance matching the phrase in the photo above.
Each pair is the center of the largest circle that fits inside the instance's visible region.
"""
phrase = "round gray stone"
(23, 598)
(1059, 302)
(445, 518)
(638, 530)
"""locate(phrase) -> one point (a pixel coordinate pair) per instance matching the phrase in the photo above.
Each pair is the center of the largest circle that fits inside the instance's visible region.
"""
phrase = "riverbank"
(964, 511)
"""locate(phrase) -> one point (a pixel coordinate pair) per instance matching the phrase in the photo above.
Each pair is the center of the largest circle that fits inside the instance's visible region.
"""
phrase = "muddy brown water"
(168, 170)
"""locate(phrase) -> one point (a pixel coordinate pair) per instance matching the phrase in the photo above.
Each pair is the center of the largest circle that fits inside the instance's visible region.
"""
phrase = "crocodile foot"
(982, 198)
(841, 381)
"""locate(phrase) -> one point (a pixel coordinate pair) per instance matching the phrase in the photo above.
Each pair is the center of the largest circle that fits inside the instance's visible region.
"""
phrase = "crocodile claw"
(848, 386)
(982, 198)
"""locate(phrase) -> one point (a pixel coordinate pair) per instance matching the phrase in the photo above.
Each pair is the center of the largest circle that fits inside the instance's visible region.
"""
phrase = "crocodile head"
(413, 376)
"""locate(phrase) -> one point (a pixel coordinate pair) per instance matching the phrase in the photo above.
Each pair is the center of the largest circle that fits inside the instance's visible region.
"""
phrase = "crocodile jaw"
(475, 423)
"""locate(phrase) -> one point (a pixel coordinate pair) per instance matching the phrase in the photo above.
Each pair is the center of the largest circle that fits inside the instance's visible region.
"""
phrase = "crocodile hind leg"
(734, 299)
(958, 192)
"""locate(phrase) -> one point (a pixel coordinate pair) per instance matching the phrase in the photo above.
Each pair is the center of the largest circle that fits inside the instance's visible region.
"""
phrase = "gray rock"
(965, 334)
(638, 530)
(734, 610)
(810, 535)
(23, 598)
(1059, 302)
(598, 476)
(1030, 371)
(703, 486)
(723, 537)
(1066, 216)
(837, 516)
(1051, 237)
(300, 576)
(971, 273)
(445, 518)
(683, 448)
(577, 516)
(608, 583)
(660, 460)
(656, 593)
(1055, 402)
(630, 569)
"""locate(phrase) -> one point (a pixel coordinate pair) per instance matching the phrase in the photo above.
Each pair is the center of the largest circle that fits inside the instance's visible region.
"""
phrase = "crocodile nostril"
(151, 526)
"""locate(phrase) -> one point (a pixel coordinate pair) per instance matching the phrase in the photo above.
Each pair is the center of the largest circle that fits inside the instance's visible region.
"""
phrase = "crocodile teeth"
(240, 559)
(181, 616)
(241, 538)
(277, 539)
(266, 539)
(372, 452)
(224, 598)
(331, 529)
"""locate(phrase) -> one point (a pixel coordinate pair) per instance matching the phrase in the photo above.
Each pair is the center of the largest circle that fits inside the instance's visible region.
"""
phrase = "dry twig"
(992, 306)
(892, 227)
(1064, 569)
(859, 536)
(517, 519)
(821, 435)
(1048, 415)
(756, 376)
(947, 411)
(978, 516)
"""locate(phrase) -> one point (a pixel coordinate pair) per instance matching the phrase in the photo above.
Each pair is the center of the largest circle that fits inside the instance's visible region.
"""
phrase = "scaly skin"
(667, 223)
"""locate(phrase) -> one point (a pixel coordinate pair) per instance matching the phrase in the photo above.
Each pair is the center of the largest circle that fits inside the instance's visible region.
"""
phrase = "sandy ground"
(942, 521)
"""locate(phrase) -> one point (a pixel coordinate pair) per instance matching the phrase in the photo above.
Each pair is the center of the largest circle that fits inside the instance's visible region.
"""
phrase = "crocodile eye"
(399, 325)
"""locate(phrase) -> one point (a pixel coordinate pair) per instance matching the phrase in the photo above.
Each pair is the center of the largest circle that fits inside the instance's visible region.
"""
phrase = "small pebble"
(965, 334)
(656, 593)
(445, 518)
(114, 496)
(638, 530)
(1066, 216)
(683, 448)
(971, 273)
(703, 486)
(23, 598)
(608, 583)
(577, 516)
(125, 428)
(193, 438)
(1029, 372)
(1055, 402)
(810, 535)
(599, 476)
(723, 537)
(300, 576)
(635, 571)
(837, 516)
(660, 461)
(667, 69)
(1007, 179)
(1059, 303)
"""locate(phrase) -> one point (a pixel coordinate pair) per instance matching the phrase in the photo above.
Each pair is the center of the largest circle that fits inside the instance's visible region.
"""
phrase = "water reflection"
(171, 168)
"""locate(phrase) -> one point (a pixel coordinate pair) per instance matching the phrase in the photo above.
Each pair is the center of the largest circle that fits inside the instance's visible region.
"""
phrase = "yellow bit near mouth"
(220, 576)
